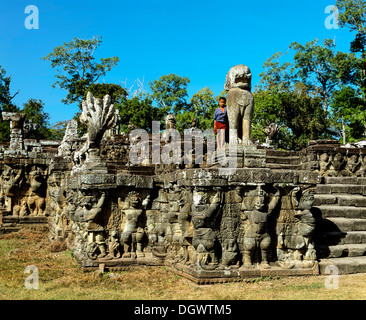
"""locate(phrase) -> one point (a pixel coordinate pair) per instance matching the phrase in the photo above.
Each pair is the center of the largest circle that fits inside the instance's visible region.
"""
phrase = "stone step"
(8, 229)
(24, 220)
(333, 238)
(340, 200)
(283, 160)
(346, 265)
(283, 166)
(350, 189)
(334, 211)
(278, 153)
(345, 180)
(146, 171)
(341, 224)
(5, 213)
(339, 251)
(8, 224)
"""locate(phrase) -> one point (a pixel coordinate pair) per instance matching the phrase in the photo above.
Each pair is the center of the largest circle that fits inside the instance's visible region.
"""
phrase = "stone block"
(342, 211)
(126, 180)
(174, 207)
(164, 207)
(307, 177)
(351, 200)
(155, 205)
(144, 182)
(344, 265)
(97, 179)
(254, 158)
(209, 183)
(173, 196)
(320, 199)
(340, 188)
(254, 162)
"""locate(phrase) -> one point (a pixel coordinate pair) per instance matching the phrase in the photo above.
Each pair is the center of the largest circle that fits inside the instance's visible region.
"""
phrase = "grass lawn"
(60, 278)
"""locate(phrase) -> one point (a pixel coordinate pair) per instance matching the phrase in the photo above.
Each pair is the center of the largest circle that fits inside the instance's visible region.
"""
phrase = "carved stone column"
(16, 131)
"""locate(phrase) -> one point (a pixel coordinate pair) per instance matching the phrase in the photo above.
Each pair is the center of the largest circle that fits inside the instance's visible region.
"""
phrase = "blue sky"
(201, 40)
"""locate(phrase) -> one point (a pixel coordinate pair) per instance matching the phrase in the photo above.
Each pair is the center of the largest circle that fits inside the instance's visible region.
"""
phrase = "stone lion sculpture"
(240, 103)
(170, 121)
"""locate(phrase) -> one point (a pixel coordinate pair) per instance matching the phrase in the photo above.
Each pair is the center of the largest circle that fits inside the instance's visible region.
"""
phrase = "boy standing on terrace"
(220, 123)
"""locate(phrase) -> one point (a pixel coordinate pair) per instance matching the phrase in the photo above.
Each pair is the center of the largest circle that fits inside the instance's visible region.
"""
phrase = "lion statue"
(240, 103)
(170, 121)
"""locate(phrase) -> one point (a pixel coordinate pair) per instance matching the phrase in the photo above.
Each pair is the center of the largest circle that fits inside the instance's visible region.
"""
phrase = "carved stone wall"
(203, 222)
(329, 159)
(198, 222)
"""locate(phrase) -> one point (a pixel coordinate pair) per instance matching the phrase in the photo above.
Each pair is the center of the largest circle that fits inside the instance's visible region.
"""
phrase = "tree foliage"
(315, 72)
(170, 93)
(140, 112)
(34, 110)
(99, 90)
(352, 15)
(349, 102)
(202, 108)
(58, 130)
(6, 104)
(348, 110)
(6, 97)
(276, 76)
(301, 117)
(77, 68)
(321, 69)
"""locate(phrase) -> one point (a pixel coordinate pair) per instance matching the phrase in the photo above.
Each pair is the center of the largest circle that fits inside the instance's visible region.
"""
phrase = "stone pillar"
(16, 131)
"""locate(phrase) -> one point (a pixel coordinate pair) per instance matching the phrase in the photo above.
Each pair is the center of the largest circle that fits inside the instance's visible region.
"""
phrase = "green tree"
(306, 118)
(352, 15)
(301, 118)
(316, 74)
(34, 110)
(283, 98)
(348, 114)
(268, 109)
(6, 104)
(170, 93)
(77, 68)
(58, 130)
(321, 69)
(99, 90)
(202, 107)
(140, 112)
(6, 97)
(276, 75)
